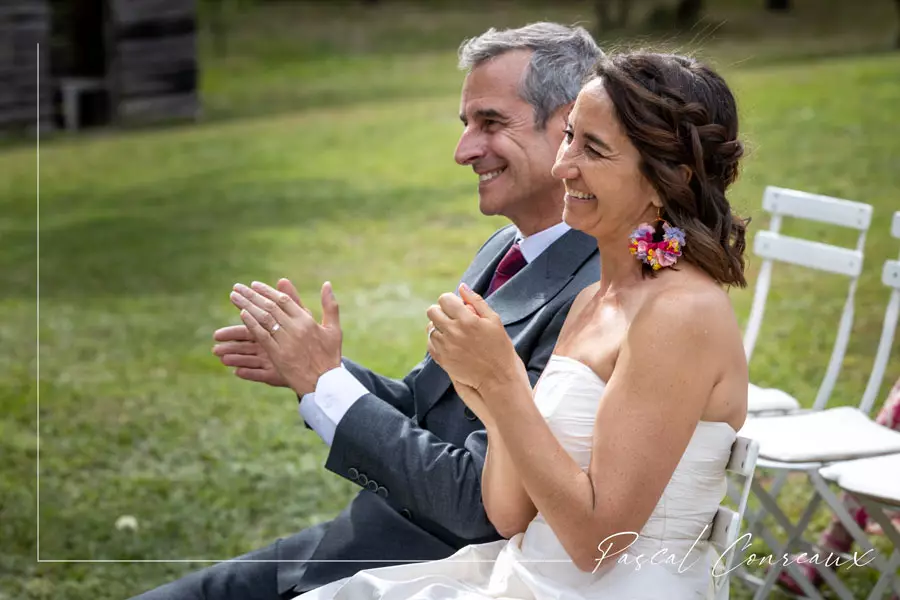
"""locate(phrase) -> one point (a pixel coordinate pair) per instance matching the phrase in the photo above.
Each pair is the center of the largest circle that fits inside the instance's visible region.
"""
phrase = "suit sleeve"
(398, 393)
(435, 481)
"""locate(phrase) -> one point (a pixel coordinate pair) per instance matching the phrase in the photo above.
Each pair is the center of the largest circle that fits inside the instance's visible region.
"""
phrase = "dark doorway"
(80, 62)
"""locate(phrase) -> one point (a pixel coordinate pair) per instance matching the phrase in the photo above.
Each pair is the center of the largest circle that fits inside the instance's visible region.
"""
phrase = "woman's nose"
(564, 169)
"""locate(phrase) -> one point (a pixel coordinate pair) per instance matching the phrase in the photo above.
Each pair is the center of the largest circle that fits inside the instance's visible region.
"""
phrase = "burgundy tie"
(512, 263)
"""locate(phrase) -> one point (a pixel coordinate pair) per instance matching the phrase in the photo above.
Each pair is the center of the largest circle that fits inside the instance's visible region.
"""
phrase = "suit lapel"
(541, 280)
(478, 275)
(432, 381)
(531, 288)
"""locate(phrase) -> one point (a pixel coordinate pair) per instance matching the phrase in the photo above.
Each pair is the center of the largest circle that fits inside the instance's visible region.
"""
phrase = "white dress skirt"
(670, 559)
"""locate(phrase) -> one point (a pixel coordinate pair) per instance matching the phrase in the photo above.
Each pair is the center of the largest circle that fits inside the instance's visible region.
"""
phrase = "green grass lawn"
(344, 172)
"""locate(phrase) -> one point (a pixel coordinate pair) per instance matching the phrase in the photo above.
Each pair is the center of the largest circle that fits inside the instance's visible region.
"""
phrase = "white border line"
(38, 317)
(210, 560)
(38, 389)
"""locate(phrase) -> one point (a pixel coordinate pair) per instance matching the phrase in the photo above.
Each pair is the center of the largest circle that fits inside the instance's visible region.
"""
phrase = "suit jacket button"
(372, 485)
(469, 414)
(382, 491)
(406, 514)
(362, 479)
(353, 473)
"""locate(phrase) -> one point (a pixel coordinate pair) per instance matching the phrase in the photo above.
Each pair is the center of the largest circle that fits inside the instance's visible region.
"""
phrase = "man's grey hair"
(561, 61)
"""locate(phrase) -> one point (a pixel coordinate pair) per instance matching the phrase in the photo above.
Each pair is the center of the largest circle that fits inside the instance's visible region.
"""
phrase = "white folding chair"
(875, 484)
(807, 442)
(726, 525)
(771, 246)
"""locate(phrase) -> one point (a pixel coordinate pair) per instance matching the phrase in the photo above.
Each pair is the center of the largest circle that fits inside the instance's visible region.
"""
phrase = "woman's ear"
(686, 173)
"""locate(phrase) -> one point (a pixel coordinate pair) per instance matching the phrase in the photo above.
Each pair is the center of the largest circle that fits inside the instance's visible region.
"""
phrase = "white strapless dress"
(670, 560)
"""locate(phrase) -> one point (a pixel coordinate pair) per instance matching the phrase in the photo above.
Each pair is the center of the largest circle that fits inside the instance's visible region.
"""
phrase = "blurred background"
(188, 146)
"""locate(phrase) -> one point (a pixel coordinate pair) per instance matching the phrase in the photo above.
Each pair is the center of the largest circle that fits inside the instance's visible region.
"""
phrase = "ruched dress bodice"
(567, 397)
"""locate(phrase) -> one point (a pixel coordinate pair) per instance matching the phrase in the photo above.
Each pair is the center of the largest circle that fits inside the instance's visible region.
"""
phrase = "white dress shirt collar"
(533, 245)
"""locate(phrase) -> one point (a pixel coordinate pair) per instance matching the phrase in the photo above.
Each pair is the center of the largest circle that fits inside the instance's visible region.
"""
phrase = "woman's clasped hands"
(468, 340)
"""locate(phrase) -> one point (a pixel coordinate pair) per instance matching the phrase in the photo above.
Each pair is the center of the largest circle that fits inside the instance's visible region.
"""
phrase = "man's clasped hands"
(282, 344)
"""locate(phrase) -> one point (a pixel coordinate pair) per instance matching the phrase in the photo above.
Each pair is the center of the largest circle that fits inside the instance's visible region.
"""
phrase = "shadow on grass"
(179, 237)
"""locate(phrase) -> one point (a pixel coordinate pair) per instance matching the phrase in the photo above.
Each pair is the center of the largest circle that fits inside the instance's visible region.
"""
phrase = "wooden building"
(24, 26)
(153, 71)
(107, 62)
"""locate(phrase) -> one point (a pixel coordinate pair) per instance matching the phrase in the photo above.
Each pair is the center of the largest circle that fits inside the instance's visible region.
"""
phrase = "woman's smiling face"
(606, 192)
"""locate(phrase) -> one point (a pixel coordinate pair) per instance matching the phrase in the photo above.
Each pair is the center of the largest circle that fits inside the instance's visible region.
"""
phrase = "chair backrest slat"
(805, 253)
(895, 225)
(815, 207)
(744, 453)
(890, 274)
(722, 528)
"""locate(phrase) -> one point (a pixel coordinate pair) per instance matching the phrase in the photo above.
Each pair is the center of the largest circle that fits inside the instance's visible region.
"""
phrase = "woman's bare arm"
(644, 424)
(507, 503)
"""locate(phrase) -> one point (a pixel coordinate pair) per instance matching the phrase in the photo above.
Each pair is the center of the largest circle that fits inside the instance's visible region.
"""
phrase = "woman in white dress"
(607, 475)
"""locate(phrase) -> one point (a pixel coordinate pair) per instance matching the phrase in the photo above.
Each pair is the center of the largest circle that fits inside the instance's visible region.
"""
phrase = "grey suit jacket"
(413, 446)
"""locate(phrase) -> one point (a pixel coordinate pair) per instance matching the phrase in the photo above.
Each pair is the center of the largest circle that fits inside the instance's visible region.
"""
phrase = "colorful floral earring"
(649, 249)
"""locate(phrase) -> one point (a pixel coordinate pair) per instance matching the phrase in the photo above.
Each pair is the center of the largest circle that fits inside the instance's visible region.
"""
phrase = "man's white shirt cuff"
(336, 391)
(316, 419)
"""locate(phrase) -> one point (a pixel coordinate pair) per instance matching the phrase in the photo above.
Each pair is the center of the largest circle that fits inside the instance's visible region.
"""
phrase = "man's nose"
(470, 148)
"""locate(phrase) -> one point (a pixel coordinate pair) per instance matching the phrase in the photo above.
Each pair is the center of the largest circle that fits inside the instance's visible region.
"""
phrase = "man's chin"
(490, 204)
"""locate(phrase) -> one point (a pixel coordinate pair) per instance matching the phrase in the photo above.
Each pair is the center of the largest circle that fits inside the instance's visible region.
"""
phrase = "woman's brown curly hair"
(680, 113)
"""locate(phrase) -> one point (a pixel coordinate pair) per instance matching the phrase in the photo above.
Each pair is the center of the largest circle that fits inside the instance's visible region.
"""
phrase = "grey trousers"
(229, 580)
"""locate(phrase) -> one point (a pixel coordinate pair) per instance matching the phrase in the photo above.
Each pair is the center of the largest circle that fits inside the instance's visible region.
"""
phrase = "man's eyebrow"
(484, 113)
(593, 138)
(489, 113)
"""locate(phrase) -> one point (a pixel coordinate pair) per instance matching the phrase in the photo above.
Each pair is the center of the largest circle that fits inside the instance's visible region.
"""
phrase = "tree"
(688, 12)
(897, 41)
(778, 5)
(608, 18)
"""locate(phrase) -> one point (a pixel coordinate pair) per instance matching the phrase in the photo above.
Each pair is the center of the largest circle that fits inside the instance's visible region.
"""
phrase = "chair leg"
(754, 516)
(889, 577)
(828, 574)
(794, 533)
(764, 586)
(859, 536)
(840, 511)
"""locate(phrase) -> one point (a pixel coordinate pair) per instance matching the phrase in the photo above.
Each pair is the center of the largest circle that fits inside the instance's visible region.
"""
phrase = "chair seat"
(825, 436)
(761, 400)
(875, 477)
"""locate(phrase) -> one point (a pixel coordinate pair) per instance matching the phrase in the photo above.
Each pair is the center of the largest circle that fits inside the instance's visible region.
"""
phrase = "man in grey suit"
(413, 447)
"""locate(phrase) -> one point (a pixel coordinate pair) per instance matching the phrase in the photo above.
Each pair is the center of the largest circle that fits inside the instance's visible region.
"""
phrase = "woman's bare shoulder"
(695, 309)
